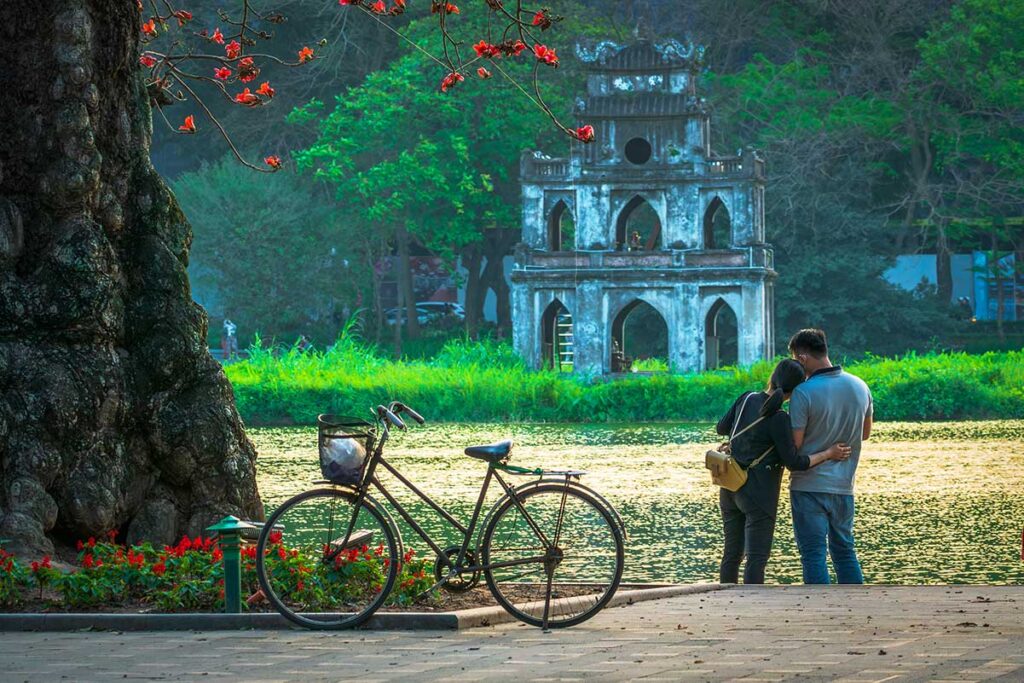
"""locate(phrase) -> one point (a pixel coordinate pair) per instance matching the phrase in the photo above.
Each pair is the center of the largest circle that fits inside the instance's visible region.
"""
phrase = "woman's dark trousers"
(748, 531)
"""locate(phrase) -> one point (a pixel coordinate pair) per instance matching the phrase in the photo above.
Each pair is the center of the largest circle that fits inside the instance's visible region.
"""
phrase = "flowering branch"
(518, 35)
(170, 80)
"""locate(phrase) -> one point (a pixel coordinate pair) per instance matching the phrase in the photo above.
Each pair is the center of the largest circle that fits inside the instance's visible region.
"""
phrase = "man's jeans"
(821, 517)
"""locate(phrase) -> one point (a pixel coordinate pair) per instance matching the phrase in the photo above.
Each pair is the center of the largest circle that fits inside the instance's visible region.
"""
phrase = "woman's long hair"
(786, 377)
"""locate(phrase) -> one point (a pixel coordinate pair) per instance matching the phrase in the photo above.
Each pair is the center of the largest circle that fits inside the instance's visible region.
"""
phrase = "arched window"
(638, 226)
(721, 336)
(717, 226)
(557, 348)
(561, 228)
(639, 339)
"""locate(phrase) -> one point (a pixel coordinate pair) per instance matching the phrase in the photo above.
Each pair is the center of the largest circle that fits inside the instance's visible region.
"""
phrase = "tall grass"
(487, 381)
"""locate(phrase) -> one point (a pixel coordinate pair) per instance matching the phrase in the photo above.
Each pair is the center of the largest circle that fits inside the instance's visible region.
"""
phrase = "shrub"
(486, 381)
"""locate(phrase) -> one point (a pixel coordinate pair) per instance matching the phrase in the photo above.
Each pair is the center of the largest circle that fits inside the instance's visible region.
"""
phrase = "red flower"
(149, 28)
(247, 98)
(112, 534)
(349, 2)
(451, 80)
(275, 536)
(183, 17)
(267, 92)
(247, 71)
(400, 4)
(185, 543)
(585, 133)
(305, 54)
(217, 36)
(217, 555)
(159, 569)
(483, 73)
(300, 585)
(46, 561)
(35, 567)
(486, 50)
(92, 542)
(147, 61)
(223, 73)
(378, 7)
(79, 545)
(87, 561)
(189, 126)
(446, 7)
(545, 54)
(197, 544)
(273, 162)
(233, 49)
(518, 47)
(542, 19)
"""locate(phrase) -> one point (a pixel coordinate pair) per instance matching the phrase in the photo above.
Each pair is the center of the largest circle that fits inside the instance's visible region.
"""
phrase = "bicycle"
(550, 551)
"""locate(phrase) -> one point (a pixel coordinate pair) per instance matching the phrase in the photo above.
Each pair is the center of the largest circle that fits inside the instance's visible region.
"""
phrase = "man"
(832, 406)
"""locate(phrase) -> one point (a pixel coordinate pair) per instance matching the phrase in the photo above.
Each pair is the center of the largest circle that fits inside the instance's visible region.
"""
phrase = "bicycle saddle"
(495, 452)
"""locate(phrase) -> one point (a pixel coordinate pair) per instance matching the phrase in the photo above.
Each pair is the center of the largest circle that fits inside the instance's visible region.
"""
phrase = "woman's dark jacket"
(765, 480)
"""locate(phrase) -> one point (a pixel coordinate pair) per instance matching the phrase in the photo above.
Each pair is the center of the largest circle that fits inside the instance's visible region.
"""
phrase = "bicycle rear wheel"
(565, 556)
(324, 564)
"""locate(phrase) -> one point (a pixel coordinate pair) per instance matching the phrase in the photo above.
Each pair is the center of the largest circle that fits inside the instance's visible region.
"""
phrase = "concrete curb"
(382, 621)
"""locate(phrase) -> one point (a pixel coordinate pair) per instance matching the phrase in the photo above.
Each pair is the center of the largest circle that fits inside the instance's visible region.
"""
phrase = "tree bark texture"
(113, 415)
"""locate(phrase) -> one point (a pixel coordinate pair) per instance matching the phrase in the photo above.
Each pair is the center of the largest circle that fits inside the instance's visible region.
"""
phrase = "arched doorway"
(721, 337)
(557, 349)
(639, 339)
(638, 226)
(717, 226)
(561, 228)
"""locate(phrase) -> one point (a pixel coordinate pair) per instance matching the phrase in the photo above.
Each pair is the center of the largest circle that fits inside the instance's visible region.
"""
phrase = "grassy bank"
(468, 382)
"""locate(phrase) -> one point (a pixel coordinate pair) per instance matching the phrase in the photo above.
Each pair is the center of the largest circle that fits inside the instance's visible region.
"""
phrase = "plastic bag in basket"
(341, 459)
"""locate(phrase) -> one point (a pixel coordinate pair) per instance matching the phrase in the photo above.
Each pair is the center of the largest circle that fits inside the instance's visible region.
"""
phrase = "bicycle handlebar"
(396, 421)
(402, 408)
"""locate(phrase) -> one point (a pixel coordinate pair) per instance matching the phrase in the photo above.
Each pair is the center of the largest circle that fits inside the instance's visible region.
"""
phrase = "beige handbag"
(725, 471)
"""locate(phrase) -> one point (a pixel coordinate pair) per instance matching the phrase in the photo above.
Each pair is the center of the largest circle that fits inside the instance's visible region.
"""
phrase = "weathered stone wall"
(644, 91)
(112, 413)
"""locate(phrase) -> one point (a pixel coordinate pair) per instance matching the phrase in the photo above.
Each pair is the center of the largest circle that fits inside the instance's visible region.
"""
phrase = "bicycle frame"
(370, 479)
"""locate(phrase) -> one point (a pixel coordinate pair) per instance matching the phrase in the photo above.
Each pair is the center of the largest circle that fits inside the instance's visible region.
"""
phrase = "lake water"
(936, 502)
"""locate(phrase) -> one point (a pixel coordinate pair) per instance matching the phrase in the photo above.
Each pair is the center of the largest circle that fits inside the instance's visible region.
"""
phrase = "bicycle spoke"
(578, 574)
(323, 562)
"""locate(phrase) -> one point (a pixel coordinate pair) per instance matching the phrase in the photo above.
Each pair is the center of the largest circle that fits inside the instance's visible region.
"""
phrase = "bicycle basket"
(345, 445)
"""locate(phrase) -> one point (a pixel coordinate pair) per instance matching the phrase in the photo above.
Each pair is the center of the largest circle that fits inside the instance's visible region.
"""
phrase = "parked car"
(427, 312)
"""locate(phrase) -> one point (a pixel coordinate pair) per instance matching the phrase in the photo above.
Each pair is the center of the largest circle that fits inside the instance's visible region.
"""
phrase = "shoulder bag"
(725, 471)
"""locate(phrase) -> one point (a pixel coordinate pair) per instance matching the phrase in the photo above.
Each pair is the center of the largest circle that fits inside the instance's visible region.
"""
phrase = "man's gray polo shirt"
(830, 407)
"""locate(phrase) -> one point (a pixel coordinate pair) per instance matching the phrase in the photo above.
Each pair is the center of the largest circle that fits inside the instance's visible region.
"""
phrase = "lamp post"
(229, 535)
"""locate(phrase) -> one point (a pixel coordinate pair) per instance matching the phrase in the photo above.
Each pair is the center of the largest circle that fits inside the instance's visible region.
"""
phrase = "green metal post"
(229, 532)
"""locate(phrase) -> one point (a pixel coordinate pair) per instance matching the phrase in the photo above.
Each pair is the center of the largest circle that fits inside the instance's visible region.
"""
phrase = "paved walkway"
(933, 633)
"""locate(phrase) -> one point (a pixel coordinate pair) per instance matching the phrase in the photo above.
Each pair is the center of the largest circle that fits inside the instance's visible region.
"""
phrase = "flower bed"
(188, 577)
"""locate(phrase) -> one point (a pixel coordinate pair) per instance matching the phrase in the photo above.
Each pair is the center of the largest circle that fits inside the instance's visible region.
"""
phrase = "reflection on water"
(936, 503)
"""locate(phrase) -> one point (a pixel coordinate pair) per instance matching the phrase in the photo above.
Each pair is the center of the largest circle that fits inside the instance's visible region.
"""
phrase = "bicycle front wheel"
(554, 556)
(323, 563)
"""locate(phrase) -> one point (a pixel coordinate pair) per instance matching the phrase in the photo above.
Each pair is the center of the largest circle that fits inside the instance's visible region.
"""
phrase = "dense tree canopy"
(888, 128)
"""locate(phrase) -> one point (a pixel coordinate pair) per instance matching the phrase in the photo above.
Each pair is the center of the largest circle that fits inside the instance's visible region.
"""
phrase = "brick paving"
(878, 633)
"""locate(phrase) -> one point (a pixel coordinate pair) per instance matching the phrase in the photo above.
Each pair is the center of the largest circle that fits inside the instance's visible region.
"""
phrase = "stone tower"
(646, 221)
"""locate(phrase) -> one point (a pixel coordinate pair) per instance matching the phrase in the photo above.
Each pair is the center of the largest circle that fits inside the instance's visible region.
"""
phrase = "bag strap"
(760, 458)
(736, 420)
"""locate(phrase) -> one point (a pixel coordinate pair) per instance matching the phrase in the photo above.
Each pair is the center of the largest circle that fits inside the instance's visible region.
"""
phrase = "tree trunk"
(943, 264)
(113, 415)
(405, 290)
(498, 244)
(471, 260)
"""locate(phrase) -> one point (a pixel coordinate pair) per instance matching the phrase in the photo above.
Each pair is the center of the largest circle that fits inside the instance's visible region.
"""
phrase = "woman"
(748, 515)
